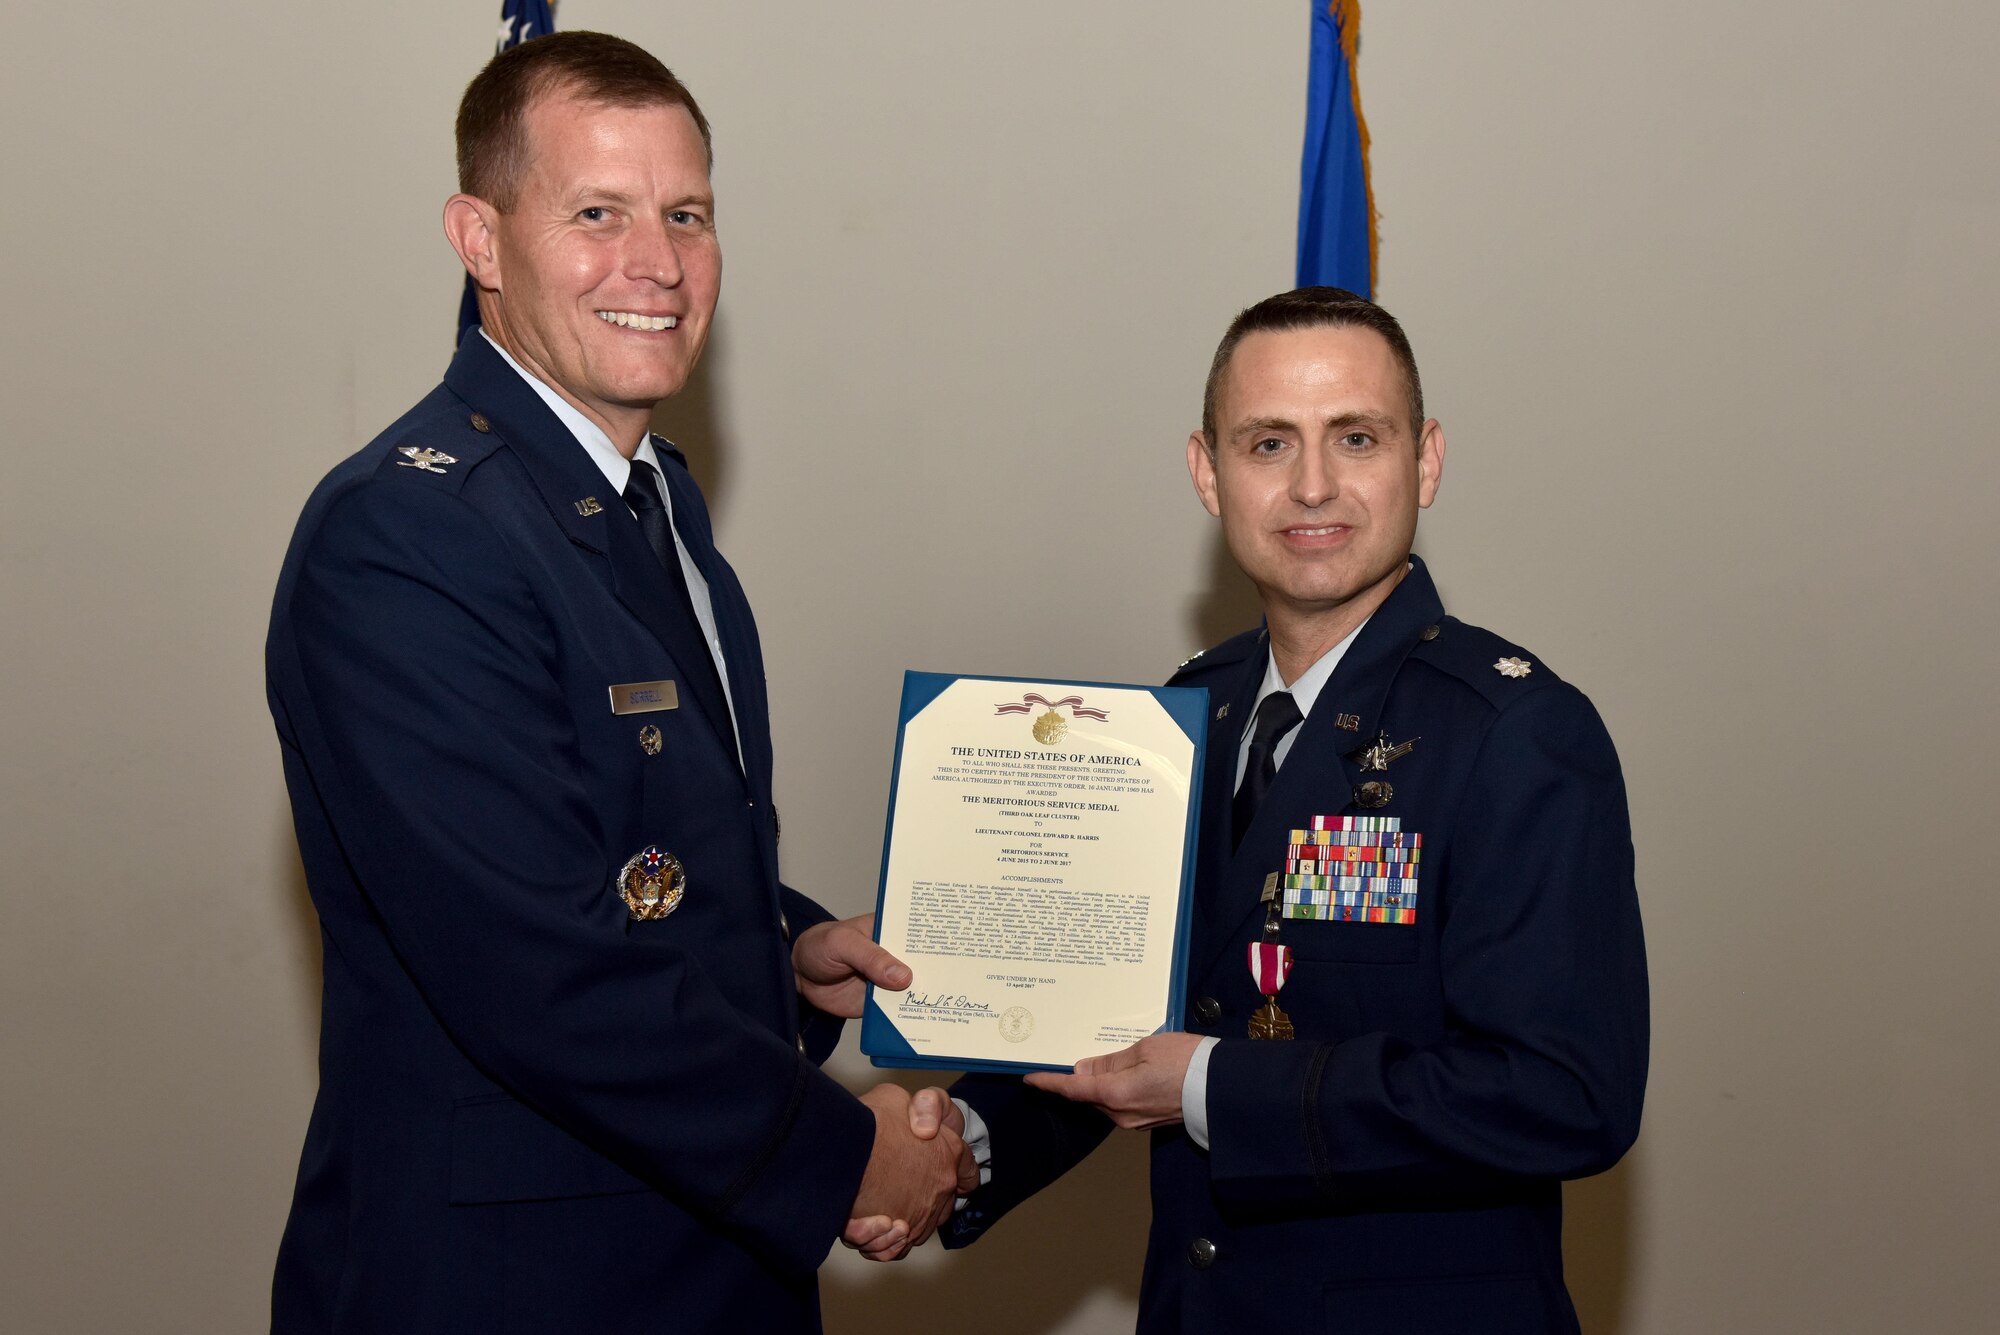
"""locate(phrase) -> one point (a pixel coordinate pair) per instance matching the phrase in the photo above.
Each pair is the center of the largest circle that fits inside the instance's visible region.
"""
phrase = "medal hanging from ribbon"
(1270, 965)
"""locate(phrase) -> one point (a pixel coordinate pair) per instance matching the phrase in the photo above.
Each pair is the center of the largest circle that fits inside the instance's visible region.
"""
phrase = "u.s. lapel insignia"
(1374, 758)
(1347, 722)
(1513, 667)
(588, 506)
(425, 458)
(651, 883)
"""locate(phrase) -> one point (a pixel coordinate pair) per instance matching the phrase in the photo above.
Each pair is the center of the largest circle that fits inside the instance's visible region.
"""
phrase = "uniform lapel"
(570, 484)
(734, 626)
(1225, 739)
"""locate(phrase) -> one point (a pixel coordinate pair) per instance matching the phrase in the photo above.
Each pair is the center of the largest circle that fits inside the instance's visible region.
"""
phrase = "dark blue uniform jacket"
(1395, 1167)
(534, 1113)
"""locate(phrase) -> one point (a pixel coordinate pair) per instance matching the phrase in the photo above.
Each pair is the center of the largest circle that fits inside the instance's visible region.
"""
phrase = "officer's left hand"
(1137, 1088)
(835, 962)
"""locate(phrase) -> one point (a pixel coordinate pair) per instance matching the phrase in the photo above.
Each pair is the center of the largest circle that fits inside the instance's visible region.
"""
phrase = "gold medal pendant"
(1270, 966)
(1268, 1022)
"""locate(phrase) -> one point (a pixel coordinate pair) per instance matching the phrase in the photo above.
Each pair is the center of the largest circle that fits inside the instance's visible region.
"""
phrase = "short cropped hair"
(1312, 308)
(589, 66)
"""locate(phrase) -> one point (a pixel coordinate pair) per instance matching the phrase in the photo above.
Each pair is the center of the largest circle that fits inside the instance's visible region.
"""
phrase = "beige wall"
(1706, 296)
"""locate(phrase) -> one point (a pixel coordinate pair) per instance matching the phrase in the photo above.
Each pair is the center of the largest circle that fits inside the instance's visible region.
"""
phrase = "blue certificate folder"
(881, 1039)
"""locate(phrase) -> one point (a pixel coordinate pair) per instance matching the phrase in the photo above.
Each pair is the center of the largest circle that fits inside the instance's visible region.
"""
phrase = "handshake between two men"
(920, 1165)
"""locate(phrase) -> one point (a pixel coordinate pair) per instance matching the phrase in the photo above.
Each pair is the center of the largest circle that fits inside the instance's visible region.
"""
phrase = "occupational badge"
(1352, 869)
(428, 459)
(1270, 965)
(1374, 794)
(651, 884)
(1374, 758)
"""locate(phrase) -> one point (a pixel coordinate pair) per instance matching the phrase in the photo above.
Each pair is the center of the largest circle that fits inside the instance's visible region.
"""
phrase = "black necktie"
(1278, 715)
(642, 493)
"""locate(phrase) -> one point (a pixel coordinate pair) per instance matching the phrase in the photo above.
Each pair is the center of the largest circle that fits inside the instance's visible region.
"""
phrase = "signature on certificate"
(944, 1001)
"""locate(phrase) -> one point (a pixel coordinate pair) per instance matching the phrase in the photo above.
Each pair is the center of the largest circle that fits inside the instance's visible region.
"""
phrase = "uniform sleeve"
(1035, 1138)
(453, 777)
(1542, 1067)
(819, 1030)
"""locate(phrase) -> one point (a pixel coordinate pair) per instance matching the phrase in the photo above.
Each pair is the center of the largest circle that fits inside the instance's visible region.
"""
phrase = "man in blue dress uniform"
(572, 1021)
(1417, 996)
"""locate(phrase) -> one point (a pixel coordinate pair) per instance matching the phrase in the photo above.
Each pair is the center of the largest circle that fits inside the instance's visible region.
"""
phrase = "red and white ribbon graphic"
(1074, 703)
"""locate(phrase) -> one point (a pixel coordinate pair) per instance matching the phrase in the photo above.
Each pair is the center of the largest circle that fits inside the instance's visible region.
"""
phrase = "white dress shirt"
(617, 470)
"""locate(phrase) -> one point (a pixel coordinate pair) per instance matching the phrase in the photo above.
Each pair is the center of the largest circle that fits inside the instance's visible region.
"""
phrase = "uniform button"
(650, 740)
(1431, 632)
(480, 424)
(802, 1045)
(1201, 1253)
(1208, 1010)
(784, 925)
(777, 826)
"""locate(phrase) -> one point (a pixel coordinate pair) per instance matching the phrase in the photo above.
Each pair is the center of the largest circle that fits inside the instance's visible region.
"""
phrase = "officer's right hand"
(911, 1180)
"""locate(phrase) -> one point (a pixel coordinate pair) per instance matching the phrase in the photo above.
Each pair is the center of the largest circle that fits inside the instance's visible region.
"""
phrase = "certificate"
(1037, 870)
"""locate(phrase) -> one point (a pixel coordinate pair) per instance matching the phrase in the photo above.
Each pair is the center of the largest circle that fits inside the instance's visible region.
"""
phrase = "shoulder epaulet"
(438, 447)
(1231, 651)
(1498, 669)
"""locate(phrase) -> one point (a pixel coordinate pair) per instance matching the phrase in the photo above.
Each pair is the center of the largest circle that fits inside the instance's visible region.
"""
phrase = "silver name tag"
(645, 697)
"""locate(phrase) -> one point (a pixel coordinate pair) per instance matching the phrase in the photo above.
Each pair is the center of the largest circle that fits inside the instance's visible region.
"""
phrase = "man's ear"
(471, 225)
(1201, 467)
(1430, 462)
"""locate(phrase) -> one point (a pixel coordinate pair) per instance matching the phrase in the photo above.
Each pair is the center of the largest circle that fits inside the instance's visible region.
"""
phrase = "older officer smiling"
(572, 1020)
(597, 258)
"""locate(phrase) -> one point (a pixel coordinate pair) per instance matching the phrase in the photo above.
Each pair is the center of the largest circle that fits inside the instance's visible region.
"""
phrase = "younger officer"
(1417, 983)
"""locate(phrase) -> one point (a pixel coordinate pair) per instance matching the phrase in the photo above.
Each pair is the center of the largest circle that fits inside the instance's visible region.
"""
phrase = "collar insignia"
(426, 458)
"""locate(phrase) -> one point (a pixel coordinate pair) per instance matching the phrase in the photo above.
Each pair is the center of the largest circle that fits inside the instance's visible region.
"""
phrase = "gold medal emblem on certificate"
(1051, 728)
(651, 884)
